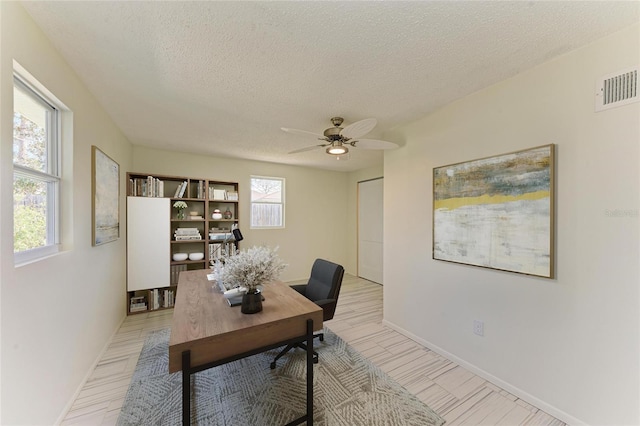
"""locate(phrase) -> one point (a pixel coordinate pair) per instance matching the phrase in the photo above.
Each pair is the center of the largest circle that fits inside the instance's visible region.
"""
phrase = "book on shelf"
(181, 189)
(232, 196)
(137, 304)
(138, 299)
(218, 250)
(162, 298)
(146, 187)
(221, 236)
(153, 299)
(201, 189)
(215, 251)
(138, 308)
(186, 234)
(186, 231)
(175, 273)
(178, 189)
(188, 237)
(153, 187)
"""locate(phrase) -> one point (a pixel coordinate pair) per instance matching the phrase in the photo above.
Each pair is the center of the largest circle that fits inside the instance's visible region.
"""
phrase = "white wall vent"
(617, 89)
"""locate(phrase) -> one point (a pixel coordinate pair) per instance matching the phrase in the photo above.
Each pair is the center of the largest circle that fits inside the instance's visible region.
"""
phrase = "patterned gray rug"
(348, 390)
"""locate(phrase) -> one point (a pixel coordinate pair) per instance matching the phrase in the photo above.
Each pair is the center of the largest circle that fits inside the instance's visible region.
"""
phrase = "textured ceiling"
(222, 78)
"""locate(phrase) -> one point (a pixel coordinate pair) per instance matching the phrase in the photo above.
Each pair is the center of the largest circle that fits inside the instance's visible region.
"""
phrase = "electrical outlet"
(478, 327)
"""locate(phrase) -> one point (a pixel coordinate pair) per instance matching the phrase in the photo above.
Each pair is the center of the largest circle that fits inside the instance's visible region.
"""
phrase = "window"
(36, 177)
(267, 202)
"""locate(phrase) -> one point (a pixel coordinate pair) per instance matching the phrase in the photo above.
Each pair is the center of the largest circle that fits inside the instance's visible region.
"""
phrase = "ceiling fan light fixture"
(337, 149)
(336, 140)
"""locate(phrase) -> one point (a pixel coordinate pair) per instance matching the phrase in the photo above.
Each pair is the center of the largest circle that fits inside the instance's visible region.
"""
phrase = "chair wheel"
(315, 359)
(273, 365)
(321, 337)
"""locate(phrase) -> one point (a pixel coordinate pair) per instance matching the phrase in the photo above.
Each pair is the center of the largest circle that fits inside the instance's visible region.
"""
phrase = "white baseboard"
(547, 408)
(73, 398)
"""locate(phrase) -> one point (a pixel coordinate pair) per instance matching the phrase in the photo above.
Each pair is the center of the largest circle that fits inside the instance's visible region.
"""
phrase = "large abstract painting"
(105, 201)
(497, 212)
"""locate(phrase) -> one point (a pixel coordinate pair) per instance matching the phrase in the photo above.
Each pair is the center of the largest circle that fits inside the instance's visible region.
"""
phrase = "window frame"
(282, 202)
(52, 177)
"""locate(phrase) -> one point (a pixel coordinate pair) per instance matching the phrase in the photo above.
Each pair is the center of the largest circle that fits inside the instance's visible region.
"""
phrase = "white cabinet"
(148, 247)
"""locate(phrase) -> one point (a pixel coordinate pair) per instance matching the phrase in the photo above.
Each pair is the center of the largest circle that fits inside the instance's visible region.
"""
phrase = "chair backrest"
(324, 283)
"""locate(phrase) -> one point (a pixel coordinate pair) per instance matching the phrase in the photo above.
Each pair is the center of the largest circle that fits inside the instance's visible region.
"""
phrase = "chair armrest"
(328, 308)
(300, 288)
(324, 302)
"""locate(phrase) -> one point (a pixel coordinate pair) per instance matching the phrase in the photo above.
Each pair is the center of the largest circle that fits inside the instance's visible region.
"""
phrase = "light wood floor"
(459, 396)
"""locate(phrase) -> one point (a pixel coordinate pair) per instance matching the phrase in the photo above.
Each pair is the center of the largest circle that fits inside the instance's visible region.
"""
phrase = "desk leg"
(186, 388)
(310, 372)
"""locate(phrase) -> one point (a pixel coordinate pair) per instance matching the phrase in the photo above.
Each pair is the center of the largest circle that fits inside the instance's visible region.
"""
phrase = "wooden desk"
(206, 331)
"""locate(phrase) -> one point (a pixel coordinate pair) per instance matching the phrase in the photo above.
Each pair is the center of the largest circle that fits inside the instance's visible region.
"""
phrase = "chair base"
(301, 345)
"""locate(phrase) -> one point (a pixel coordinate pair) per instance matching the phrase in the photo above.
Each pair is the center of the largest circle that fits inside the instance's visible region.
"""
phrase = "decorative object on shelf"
(196, 256)
(251, 268)
(179, 257)
(105, 200)
(497, 212)
(196, 218)
(228, 214)
(181, 206)
(216, 215)
(218, 194)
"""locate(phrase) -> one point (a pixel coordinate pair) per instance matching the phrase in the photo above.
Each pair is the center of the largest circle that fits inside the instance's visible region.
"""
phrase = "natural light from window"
(267, 202)
(36, 178)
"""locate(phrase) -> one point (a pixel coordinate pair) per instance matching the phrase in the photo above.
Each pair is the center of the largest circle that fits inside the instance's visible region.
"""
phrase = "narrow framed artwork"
(105, 198)
(497, 212)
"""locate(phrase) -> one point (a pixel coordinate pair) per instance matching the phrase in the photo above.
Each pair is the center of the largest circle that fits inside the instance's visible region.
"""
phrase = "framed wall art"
(105, 198)
(497, 212)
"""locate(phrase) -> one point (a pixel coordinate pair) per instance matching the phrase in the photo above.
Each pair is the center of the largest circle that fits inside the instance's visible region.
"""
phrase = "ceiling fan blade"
(302, 133)
(373, 144)
(359, 128)
(309, 148)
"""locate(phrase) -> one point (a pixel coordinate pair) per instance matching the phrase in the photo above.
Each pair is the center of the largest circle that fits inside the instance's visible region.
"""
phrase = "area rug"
(348, 390)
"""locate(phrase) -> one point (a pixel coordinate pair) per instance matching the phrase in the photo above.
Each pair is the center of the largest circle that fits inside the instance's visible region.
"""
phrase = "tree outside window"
(35, 171)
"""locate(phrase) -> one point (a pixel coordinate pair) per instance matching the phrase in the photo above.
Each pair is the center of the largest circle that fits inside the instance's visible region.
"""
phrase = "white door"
(370, 243)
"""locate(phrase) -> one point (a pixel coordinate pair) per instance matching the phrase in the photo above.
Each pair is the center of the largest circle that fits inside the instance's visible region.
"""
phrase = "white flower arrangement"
(180, 205)
(252, 267)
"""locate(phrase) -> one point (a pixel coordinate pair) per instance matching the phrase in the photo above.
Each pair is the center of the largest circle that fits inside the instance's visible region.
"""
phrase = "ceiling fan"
(338, 140)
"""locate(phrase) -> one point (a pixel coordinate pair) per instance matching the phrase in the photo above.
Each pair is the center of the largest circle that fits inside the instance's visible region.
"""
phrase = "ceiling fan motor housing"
(333, 133)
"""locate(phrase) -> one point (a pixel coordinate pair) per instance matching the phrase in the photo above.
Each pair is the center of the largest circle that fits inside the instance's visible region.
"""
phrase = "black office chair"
(323, 289)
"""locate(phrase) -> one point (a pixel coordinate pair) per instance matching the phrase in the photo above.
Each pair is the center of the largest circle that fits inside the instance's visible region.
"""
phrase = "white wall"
(58, 313)
(570, 344)
(315, 204)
